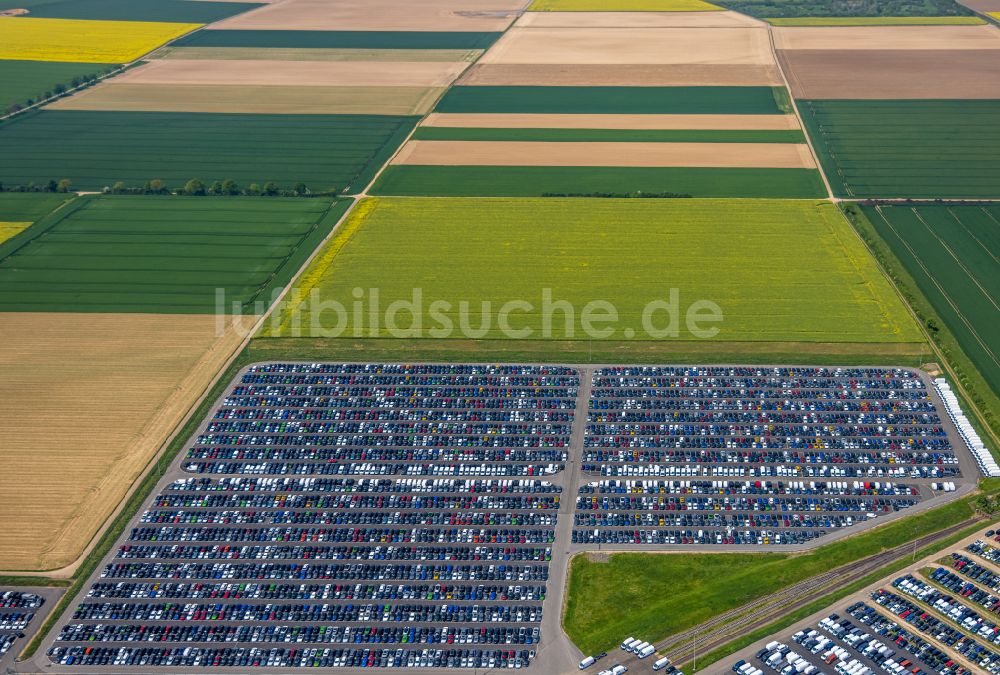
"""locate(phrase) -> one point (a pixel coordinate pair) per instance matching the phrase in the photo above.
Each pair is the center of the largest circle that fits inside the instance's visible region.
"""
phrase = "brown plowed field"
(520, 153)
(886, 74)
(592, 121)
(635, 20)
(301, 74)
(255, 99)
(384, 15)
(888, 37)
(689, 46)
(622, 75)
(87, 400)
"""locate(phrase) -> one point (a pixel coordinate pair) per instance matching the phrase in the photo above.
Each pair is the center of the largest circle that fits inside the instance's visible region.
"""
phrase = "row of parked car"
(356, 559)
(704, 537)
(948, 606)
(981, 574)
(965, 589)
(321, 570)
(812, 377)
(787, 456)
(278, 657)
(766, 471)
(17, 610)
(912, 647)
(510, 635)
(780, 504)
(756, 487)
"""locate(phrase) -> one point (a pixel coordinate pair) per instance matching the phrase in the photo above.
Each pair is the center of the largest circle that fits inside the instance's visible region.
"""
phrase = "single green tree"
(157, 186)
(216, 188)
(253, 190)
(118, 188)
(52, 186)
(270, 188)
(194, 187)
(229, 187)
(301, 189)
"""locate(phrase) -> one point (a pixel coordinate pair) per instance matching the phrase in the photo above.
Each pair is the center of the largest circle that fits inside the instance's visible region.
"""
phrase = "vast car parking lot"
(382, 515)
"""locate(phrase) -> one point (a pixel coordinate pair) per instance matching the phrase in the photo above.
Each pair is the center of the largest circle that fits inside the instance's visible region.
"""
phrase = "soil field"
(622, 75)
(886, 74)
(608, 135)
(622, 6)
(335, 54)
(171, 11)
(953, 254)
(986, 6)
(97, 149)
(162, 254)
(778, 270)
(102, 42)
(24, 80)
(305, 73)
(534, 181)
(273, 100)
(878, 21)
(339, 39)
(605, 154)
(612, 100)
(29, 206)
(382, 15)
(87, 399)
(632, 45)
(888, 37)
(920, 149)
(619, 121)
(614, 19)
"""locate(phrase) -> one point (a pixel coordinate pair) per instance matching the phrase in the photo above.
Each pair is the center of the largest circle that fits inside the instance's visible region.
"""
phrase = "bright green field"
(29, 206)
(642, 593)
(615, 100)
(161, 254)
(338, 153)
(339, 39)
(879, 21)
(922, 149)
(23, 80)
(778, 270)
(611, 135)
(542, 181)
(953, 254)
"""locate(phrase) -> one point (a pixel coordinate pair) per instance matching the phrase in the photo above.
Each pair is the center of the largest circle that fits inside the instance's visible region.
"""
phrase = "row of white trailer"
(984, 458)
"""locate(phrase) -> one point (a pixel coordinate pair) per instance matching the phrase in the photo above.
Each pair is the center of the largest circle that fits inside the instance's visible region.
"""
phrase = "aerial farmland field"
(84, 258)
(338, 153)
(27, 39)
(170, 11)
(21, 81)
(919, 149)
(758, 260)
(18, 210)
(327, 39)
(624, 6)
(953, 254)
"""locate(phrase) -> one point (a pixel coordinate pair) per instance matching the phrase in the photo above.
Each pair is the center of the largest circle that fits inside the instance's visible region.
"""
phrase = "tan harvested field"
(255, 99)
(87, 400)
(902, 74)
(887, 37)
(635, 20)
(387, 15)
(592, 121)
(632, 45)
(621, 75)
(333, 54)
(303, 74)
(520, 153)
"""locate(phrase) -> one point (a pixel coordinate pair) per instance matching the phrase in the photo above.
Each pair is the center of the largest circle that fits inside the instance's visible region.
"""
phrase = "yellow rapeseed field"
(84, 41)
(8, 230)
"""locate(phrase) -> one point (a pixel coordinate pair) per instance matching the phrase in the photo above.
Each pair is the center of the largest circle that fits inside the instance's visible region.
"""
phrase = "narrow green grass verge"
(612, 135)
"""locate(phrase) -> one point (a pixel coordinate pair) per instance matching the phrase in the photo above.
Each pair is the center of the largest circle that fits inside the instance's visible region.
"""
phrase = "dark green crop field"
(539, 181)
(180, 11)
(953, 254)
(920, 149)
(789, 8)
(338, 153)
(27, 207)
(611, 135)
(24, 80)
(614, 100)
(162, 254)
(339, 39)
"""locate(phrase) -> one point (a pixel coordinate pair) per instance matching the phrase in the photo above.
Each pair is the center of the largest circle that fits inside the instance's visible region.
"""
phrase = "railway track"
(728, 626)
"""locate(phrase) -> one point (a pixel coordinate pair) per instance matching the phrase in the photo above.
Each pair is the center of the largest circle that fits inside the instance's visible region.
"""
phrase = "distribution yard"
(920, 149)
(29, 39)
(628, 252)
(167, 254)
(952, 252)
(339, 153)
(120, 384)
